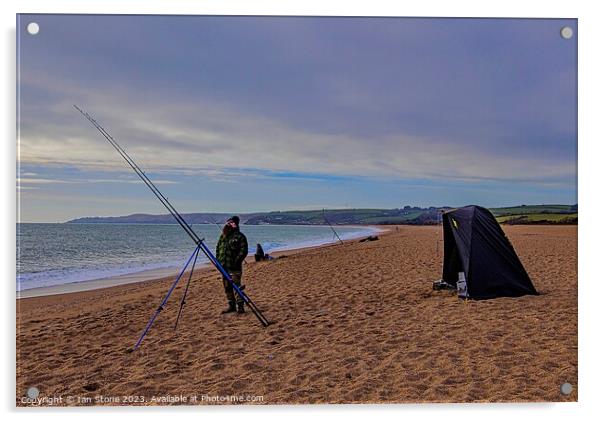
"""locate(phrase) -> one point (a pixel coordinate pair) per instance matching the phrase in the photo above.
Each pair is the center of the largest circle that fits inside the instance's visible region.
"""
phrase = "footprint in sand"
(217, 366)
(252, 367)
(91, 387)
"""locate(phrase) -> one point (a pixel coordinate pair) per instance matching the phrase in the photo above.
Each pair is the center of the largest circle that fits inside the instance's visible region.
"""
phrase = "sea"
(57, 254)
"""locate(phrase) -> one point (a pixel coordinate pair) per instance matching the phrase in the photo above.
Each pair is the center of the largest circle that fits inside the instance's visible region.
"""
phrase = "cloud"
(217, 139)
(262, 98)
(40, 181)
(22, 180)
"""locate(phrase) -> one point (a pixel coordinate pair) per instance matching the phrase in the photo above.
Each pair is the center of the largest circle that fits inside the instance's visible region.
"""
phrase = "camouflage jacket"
(232, 250)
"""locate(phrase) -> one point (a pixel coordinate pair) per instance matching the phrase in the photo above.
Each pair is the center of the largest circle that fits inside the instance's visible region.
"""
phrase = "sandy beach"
(352, 323)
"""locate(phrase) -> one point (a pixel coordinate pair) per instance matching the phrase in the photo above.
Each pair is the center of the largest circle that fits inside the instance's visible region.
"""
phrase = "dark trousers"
(232, 296)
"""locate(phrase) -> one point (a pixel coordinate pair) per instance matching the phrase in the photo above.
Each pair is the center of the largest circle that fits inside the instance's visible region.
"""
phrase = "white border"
(590, 33)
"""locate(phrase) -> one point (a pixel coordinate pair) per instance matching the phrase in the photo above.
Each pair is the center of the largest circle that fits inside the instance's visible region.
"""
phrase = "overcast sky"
(240, 114)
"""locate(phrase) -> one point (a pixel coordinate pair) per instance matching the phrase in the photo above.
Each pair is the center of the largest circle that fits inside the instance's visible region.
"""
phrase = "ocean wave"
(96, 271)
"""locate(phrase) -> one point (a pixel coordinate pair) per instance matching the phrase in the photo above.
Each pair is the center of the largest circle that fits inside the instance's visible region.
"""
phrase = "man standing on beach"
(232, 248)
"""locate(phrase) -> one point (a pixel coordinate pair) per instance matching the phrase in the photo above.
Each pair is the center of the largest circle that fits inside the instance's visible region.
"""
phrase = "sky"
(242, 114)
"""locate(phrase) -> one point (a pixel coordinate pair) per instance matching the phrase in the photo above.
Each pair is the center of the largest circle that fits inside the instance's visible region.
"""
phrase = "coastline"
(163, 273)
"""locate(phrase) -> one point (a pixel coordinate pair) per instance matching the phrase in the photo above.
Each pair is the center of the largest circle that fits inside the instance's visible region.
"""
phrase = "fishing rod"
(331, 227)
(199, 242)
(216, 224)
(143, 176)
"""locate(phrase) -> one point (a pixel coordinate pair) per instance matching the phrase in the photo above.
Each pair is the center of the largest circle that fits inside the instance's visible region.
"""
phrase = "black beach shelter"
(475, 244)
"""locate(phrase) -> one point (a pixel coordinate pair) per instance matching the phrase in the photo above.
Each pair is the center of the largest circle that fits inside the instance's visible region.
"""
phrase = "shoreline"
(163, 273)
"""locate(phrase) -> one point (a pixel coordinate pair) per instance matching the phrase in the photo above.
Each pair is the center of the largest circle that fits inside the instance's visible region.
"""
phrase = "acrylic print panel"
(294, 210)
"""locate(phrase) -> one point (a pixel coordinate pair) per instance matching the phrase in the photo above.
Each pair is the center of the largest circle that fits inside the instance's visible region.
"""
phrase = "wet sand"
(353, 323)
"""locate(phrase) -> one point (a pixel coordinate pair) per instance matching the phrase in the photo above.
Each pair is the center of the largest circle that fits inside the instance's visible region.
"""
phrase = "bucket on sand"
(462, 287)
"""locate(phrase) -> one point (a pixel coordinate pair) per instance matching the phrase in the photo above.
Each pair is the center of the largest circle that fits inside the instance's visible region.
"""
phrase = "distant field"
(533, 209)
(537, 214)
(539, 217)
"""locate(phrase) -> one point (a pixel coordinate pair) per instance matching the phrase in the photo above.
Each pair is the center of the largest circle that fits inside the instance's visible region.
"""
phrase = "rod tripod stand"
(201, 246)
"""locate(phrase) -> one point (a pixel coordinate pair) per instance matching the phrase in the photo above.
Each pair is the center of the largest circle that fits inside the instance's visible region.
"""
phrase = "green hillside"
(555, 218)
(524, 214)
(537, 214)
(527, 209)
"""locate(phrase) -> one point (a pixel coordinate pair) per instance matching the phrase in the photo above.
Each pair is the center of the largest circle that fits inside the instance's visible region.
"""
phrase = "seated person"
(259, 254)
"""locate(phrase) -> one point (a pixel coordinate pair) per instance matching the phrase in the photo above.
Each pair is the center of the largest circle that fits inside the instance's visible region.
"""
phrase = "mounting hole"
(33, 28)
(33, 392)
(566, 32)
(566, 388)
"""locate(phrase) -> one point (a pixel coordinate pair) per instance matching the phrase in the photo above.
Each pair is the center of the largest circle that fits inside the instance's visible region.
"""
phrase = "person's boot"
(241, 308)
(231, 308)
